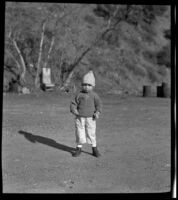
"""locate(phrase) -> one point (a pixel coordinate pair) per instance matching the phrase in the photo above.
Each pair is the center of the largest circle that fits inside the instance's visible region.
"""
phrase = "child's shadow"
(47, 141)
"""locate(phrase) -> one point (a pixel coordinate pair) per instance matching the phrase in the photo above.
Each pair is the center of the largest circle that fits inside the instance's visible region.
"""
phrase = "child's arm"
(98, 106)
(73, 107)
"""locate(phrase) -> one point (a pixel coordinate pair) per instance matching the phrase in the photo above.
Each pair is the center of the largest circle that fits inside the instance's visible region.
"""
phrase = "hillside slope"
(124, 60)
(128, 60)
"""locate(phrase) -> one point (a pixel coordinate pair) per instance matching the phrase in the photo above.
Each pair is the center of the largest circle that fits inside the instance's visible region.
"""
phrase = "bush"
(162, 70)
(161, 58)
(152, 74)
(89, 19)
(135, 69)
(111, 38)
(164, 57)
(150, 56)
(8, 78)
(167, 34)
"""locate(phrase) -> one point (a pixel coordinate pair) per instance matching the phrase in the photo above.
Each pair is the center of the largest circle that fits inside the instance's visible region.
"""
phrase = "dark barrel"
(165, 90)
(159, 91)
(146, 91)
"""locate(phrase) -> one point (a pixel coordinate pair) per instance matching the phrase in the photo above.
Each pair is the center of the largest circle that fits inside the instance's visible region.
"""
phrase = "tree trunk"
(22, 76)
(60, 67)
(49, 52)
(37, 78)
(67, 81)
(76, 62)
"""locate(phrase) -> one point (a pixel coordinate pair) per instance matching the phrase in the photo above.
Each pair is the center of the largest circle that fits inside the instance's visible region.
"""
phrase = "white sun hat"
(89, 78)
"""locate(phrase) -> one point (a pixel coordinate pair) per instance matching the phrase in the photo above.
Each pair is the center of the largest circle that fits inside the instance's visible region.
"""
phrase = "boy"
(86, 107)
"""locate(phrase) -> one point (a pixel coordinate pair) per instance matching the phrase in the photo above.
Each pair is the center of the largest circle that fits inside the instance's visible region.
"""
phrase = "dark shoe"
(78, 152)
(96, 152)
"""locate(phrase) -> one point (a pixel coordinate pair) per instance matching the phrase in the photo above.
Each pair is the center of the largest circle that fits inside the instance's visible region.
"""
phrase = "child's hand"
(76, 113)
(96, 115)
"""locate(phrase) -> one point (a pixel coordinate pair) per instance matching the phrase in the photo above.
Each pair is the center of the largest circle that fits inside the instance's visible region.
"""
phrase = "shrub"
(136, 69)
(89, 19)
(111, 38)
(152, 74)
(162, 70)
(164, 57)
(167, 34)
(150, 56)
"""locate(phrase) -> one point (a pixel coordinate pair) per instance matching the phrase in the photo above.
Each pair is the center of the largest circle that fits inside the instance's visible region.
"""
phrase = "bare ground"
(38, 139)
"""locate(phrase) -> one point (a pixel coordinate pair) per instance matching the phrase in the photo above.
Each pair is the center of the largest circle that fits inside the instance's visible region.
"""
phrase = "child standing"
(86, 107)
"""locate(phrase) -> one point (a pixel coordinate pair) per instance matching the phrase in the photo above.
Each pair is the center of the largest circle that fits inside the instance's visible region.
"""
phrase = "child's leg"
(80, 132)
(91, 135)
(91, 131)
(80, 135)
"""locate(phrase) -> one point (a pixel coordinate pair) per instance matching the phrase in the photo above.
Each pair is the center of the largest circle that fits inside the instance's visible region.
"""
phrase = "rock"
(25, 90)
(115, 91)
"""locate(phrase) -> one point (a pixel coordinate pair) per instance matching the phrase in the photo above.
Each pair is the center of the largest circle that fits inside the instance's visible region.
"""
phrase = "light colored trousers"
(85, 131)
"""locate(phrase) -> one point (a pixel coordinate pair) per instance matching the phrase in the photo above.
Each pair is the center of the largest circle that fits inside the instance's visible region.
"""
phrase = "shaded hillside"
(132, 52)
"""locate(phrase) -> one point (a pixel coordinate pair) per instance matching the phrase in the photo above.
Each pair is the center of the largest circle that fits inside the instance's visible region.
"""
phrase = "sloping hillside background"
(127, 46)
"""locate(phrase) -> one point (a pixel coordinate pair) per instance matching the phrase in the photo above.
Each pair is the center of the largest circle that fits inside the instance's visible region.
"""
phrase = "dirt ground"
(38, 139)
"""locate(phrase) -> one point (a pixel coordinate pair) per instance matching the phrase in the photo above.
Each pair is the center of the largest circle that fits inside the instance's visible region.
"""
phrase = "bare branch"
(10, 33)
(60, 61)
(18, 65)
(116, 11)
(125, 17)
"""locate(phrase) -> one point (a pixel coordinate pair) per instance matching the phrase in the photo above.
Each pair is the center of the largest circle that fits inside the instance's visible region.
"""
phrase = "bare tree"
(38, 67)
(57, 18)
(21, 65)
